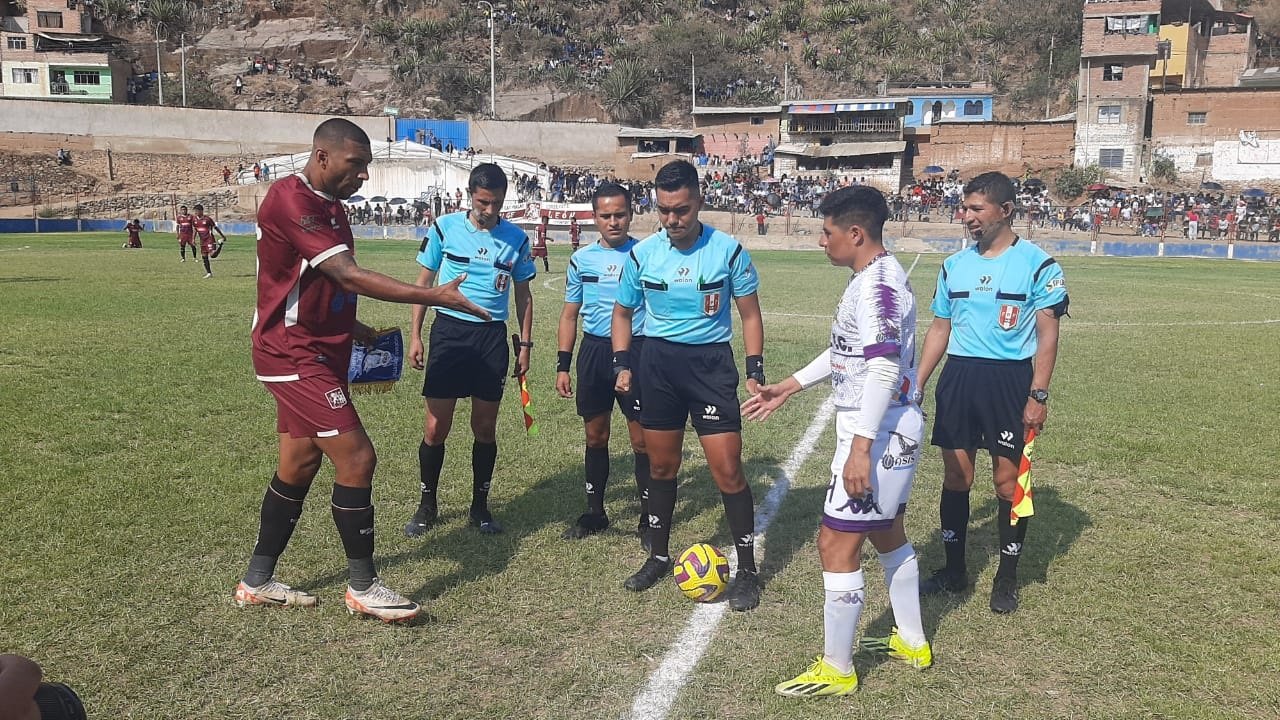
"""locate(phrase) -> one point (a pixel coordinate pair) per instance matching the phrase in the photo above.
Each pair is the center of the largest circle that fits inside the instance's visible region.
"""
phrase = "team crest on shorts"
(1009, 316)
(500, 282)
(711, 303)
(336, 398)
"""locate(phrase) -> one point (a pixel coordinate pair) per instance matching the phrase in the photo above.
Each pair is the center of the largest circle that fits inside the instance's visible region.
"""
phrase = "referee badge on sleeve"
(1009, 316)
(500, 282)
(710, 303)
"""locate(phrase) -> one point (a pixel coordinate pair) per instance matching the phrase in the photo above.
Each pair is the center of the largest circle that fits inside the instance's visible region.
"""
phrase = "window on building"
(87, 77)
(756, 120)
(25, 76)
(973, 107)
(1204, 159)
(911, 108)
(16, 42)
(49, 19)
(1112, 72)
(1197, 118)
(1111, 158)
(1108, 114)
(1131, 25)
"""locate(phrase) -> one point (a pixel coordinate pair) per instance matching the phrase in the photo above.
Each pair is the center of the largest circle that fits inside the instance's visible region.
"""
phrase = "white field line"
(659, 694)
(547, 283)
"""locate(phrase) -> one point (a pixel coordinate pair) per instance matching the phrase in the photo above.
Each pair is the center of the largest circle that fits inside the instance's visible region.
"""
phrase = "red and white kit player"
(303, 326)
(185, 224)
(205, 227)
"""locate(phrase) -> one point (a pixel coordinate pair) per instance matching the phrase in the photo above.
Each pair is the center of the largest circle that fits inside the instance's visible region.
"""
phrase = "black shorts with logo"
(595, 394)
(466, 359)
(978, 403)
(681, 382)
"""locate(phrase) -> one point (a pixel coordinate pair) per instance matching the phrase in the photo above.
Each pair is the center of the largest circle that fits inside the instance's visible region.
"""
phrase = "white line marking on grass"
(913, 264)
(659, 694)
(1186, 323)
(547, 283)
(24, 247)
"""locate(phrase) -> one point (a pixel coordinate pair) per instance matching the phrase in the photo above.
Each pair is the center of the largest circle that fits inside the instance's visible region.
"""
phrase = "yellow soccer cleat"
(895, 647)
(819, 680)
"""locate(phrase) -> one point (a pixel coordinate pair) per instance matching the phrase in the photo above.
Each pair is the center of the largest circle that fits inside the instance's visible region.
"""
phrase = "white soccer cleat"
(273, 593)
(381, 602)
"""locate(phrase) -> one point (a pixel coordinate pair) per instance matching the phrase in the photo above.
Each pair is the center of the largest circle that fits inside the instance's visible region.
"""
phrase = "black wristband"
(755, 368)
(564, 358)
(621, 361)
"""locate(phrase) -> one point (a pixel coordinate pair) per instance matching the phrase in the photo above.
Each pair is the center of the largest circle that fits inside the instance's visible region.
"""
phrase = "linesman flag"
(526, 402)
(1022, 505)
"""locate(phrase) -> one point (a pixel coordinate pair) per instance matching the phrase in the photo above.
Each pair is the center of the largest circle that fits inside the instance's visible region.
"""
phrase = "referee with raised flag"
(996, 312)
(683, 277)
(469, 357)
(591, 285)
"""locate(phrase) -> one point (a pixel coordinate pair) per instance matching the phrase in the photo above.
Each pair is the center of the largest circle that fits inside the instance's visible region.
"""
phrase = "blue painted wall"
(457, 131)
(921, 108)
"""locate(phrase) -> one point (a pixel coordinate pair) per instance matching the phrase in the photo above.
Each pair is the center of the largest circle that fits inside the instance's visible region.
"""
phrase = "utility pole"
(183, 37)
(786, 77)
(159, 70)
(693, 82)
(1049, 95)
(493, 111)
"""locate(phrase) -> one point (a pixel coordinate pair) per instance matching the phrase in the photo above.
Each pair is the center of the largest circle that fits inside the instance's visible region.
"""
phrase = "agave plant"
(174, 15)
(833, 16)
(627, 92)
(385, 31)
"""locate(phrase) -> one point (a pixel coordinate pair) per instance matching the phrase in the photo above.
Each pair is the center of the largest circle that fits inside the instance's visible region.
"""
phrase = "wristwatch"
(1040, 396)
(523, 343)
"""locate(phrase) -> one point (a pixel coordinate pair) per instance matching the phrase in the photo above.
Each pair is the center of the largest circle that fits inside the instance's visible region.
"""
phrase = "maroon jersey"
(204, 226)
(134, 228)
(303, 321)
(185, 226)
(541, 239)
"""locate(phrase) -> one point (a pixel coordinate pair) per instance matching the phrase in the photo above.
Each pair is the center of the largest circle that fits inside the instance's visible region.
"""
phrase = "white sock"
(840, 613)
(902, 576)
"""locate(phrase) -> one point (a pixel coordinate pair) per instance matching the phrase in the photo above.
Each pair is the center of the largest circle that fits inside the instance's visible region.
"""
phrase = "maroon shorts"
(184, 241)
(317, 406)
(207, 246)
(538, 251)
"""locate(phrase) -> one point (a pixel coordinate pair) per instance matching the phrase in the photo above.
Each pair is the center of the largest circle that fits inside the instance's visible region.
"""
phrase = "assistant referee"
(684, 277)
(996, 313)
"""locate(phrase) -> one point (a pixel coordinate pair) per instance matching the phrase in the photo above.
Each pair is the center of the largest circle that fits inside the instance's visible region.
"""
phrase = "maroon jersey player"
(539, 249)
(205, 227)
(303, 327)
(185, 224)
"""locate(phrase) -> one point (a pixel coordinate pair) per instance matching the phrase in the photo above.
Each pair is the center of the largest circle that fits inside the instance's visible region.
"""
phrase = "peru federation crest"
(1009, 316)
(710, 303)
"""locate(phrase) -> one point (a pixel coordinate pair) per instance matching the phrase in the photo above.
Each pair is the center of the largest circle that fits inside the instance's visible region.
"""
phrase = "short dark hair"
(182, 207)
(611, 190)
(677, 175)
(487, 176)
(996, 186)
(199, 207)
(338, 130)
(859, 205)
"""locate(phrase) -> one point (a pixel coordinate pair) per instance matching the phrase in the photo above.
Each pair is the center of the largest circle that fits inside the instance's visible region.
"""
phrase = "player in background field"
(591, 284)
(871, 365)
(303, 326)
(470, 358)
(205, 227)
(575, 234)
(540, 245)
(996, 313)
(184, 225)
(684, 277)
(134, 228)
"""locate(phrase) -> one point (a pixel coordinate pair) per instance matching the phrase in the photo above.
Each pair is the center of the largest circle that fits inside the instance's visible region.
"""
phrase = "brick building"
(860, 139)
(57, 50)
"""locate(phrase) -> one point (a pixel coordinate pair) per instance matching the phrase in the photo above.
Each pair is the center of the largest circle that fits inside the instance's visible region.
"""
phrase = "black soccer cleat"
(586, 526)
(648, 575)
(744, 592)
(944, 580)
(1004, 595)
(421, 521)
(483, 519)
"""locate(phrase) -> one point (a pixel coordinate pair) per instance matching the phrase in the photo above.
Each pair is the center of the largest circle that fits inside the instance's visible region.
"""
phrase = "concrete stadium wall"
(569, 143)
(171, 130)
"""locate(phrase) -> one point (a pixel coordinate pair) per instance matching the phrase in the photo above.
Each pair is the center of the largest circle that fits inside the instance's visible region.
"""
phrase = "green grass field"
(137, 446)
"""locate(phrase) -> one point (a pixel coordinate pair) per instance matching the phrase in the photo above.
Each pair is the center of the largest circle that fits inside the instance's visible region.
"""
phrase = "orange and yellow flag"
(526, 404)
(1022, 505)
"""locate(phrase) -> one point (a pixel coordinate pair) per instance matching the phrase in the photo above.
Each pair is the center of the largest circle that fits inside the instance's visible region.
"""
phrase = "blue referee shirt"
(592, 282)
(686, 293)
(490, 258)
(992, 302)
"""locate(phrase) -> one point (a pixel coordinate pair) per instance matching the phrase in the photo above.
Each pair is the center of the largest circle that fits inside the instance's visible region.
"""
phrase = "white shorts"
(894, 456)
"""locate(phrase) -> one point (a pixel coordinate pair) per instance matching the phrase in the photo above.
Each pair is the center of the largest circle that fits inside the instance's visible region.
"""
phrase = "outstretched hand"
(769, 398)
(451, 297)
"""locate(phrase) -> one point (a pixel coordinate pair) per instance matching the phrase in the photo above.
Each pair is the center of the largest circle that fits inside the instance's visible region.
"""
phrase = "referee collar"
(471, 226)
(702, 237)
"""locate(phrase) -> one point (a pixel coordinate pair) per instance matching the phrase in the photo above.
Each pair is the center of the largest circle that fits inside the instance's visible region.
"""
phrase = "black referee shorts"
(595, 394)
(466, 359)
(978, 403)
(681, 382)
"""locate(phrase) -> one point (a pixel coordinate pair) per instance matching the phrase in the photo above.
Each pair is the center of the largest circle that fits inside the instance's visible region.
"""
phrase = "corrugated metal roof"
(841, 149)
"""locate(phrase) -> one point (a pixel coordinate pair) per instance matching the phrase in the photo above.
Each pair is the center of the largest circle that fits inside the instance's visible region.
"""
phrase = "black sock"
(662, 506)
(642, 484)
(281, 508)
(597, 472)
(206, 264)
(483, 457)
(1011, 540)
(430, 460)
(740, 511)
(353, 514)
(953, 510)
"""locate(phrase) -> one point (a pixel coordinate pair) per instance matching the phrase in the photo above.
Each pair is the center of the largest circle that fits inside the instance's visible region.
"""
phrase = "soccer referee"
(684, 276)
(996, 312)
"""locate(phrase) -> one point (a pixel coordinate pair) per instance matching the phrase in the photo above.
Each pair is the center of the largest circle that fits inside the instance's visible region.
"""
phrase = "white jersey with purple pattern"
(876, 317)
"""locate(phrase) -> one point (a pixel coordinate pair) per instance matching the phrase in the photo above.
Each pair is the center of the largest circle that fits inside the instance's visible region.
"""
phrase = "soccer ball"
(701, 572)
